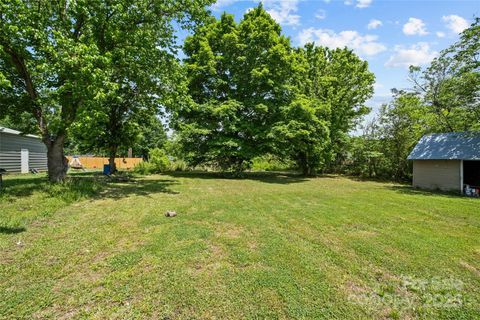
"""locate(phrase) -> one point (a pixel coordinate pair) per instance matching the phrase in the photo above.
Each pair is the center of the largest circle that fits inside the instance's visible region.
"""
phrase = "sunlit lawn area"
(267, 246)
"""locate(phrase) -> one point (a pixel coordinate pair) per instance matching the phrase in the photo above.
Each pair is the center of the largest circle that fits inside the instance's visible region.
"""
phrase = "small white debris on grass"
(169, 214)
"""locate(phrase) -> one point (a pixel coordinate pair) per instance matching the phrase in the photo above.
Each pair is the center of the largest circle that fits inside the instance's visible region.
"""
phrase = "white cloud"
(440, 34)
(416, 55)
(374, 24)
(415, 26)
(363, 3)
(365, 45)
(283, 11)
(321, 14)
(219, 4)
(455, 23)
(358, 3)
(378, 86)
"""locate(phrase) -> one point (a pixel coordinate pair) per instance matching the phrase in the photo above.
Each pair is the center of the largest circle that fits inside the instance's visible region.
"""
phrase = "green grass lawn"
(267, 246)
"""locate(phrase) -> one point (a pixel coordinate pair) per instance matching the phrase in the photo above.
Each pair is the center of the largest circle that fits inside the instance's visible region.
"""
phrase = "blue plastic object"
(106, 169)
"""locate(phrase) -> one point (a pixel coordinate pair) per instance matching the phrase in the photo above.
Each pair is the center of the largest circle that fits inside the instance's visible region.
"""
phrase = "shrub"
(158, 162)
(178, 165)
(271, 163)
(143, 168)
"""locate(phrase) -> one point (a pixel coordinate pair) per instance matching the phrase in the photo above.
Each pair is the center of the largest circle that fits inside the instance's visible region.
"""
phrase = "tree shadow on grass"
(409, 190)
(266, 177)
(146, 188)
(83, 186)
(11, 230)
(78, 187)
(376, 179)
(20, 186)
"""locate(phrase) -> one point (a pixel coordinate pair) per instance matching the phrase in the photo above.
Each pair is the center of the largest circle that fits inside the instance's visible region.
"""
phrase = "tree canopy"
(253, 94)
(59, 59)
(238, 78)
(444, 98)
(450, 86)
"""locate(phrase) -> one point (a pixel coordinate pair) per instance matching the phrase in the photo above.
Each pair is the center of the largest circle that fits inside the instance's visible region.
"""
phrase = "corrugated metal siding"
(437, 174)
(10, 161)
(14, 142)
(37, 161)
(10, 155)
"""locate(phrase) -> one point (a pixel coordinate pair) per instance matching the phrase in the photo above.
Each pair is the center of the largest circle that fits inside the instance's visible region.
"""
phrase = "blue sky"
(390, 35)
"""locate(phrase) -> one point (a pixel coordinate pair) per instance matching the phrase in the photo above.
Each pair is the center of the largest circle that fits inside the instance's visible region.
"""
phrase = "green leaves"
(450, 86)
(95, 62)
(333, 86)
(303, 133)
(253, 94)
(238, 77)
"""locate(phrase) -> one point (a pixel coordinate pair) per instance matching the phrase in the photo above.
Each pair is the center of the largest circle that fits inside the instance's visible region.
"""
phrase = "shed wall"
(15, 142)
(10, 161)
(437, 174)
(10, 152)
(37, 161)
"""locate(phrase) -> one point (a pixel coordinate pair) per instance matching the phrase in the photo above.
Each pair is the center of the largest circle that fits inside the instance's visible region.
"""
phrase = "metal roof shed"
(447, 161)
(20, 153)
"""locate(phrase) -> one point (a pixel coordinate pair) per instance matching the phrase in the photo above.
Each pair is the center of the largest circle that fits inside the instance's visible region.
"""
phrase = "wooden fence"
(98, 162)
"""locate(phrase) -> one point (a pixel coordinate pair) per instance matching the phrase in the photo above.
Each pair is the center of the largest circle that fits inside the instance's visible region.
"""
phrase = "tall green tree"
(59, 59)
(239, 77)
(303, 134)
(49, 69)
(365, 152)
(337, 83)
(450, 86)
(152, 135)
(402, 123)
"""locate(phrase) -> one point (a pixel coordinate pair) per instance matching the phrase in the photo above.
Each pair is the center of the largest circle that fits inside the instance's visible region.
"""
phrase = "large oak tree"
(60, 59)
(239, 77)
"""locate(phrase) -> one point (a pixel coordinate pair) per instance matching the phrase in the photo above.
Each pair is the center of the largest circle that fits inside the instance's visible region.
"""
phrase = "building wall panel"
(15, 142)
(10, 161)
(10, 152)
(37, 161)
(437, 174)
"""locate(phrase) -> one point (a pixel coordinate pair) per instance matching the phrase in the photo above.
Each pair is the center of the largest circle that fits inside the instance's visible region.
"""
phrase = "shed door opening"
(471, 173)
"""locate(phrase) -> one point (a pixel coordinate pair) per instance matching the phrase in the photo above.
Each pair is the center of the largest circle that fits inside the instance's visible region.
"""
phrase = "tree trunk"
(111, 160)
(57, 163)
(307, 169)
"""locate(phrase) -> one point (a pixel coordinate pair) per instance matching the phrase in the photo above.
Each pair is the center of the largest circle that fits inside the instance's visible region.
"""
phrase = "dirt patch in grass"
(470, 268)
(252, 245)
(352, 288)
(228, 230)
(212, 262)
(216, 251)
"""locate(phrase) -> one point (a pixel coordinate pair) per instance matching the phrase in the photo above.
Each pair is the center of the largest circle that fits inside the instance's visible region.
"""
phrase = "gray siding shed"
(11, 144)
(438, 160)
